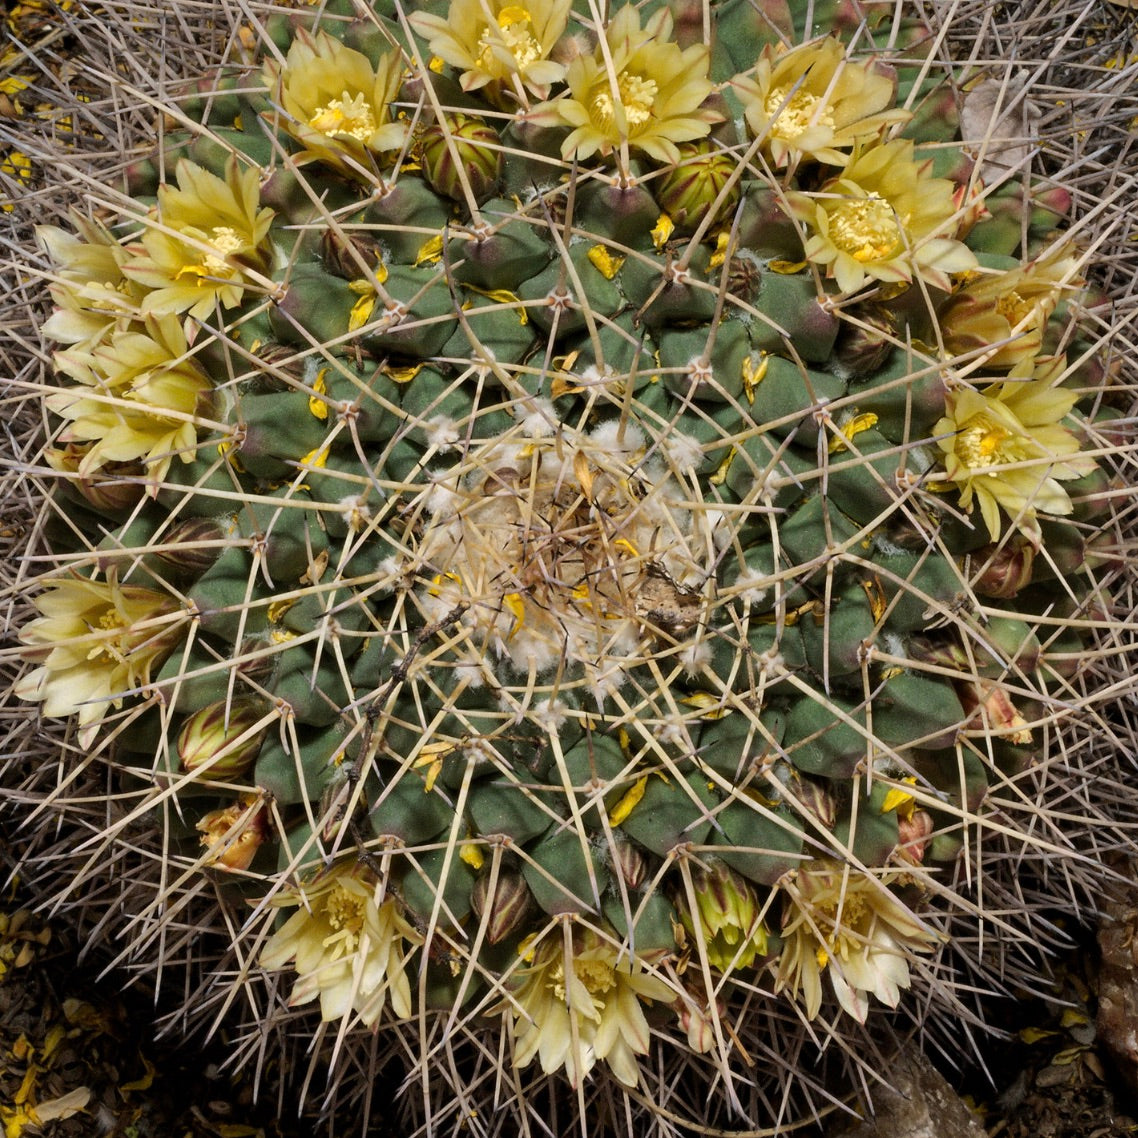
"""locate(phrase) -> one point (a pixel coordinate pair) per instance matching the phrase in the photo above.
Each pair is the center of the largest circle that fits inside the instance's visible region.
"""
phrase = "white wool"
(895, 646)
(549, 715)
(471, 674)
(602, 686)
(442, 432)
(695, 656)
(684, 452)
(608, 436)
(441, 502)
(539, 420)
(751, 586)
(532, 651)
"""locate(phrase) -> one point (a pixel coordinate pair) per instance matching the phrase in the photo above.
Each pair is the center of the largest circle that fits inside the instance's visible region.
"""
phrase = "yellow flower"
(96, 643)
(501, 48)
(336, 104)
(727, 919)
(203, 240)
(884, 219)
(1004, 447)
(349, 950)
(814, 102)
(592, 1011)
(92, 296)
(648, 99)
(838, 920)
(1003, 316)
(138, 396)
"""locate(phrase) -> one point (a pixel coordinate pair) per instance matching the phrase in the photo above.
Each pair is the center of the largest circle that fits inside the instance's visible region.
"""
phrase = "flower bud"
(467, 142)
(233, 835)
(629, 860)
(697, 1022)
(990, 709)
(816, 799)
(1005, 569)
(913, 835)
(689, 190)
(220, 739)
(865, 341)
(192, 546)
(348, 254)
(509, 906)
(728, 917)
(260, 669)
(941, 653)
(115, 488)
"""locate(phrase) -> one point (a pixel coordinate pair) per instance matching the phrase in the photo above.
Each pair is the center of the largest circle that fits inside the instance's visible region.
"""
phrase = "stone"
(919, 1104)
(1118, 974)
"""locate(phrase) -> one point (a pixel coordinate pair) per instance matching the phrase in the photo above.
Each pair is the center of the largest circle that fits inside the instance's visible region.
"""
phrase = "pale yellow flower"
(96, 642)
(839, 921)
(1005, 448)
(1003, 315)
(814, 102)
(581, 1001)
(92, 296)
(336, 104)
(137, 398)
(202, 242)
(884, 219)
(349, 950)
(501, 48)
(649, 97)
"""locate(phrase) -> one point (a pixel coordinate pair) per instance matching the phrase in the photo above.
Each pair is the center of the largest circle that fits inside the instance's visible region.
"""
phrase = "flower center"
(865, 228)
(344, 912)
(348, 116)
(1012, 307)
(596, 975)
(846, 936)
(793, 116)
(117, 648)
(982, 442)
(515, 31)
(223, 241)
(637, 95)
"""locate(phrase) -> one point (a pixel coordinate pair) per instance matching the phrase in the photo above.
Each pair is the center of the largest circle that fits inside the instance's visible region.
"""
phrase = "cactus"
(581, 539)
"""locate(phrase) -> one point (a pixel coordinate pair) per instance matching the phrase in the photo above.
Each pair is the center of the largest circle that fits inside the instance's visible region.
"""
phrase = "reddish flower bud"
(1005, 569)
(115, 488)
(816, 799)
(349, 255)
(913, 836)
(508, 906)
(192, 546)
(629, 860)
(991, 709)
(865, 340)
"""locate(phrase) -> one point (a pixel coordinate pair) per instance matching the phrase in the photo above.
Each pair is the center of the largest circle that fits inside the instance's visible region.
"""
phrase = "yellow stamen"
(349, 115)
(637, 96)
(515, 33)
(865, 228)
(801, 111)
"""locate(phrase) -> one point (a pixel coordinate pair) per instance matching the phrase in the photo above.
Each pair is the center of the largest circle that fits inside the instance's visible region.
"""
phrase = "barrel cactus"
(582, 534)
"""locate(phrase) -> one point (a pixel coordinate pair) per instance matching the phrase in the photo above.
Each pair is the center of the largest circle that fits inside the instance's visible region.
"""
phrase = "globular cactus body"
(588, 584)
